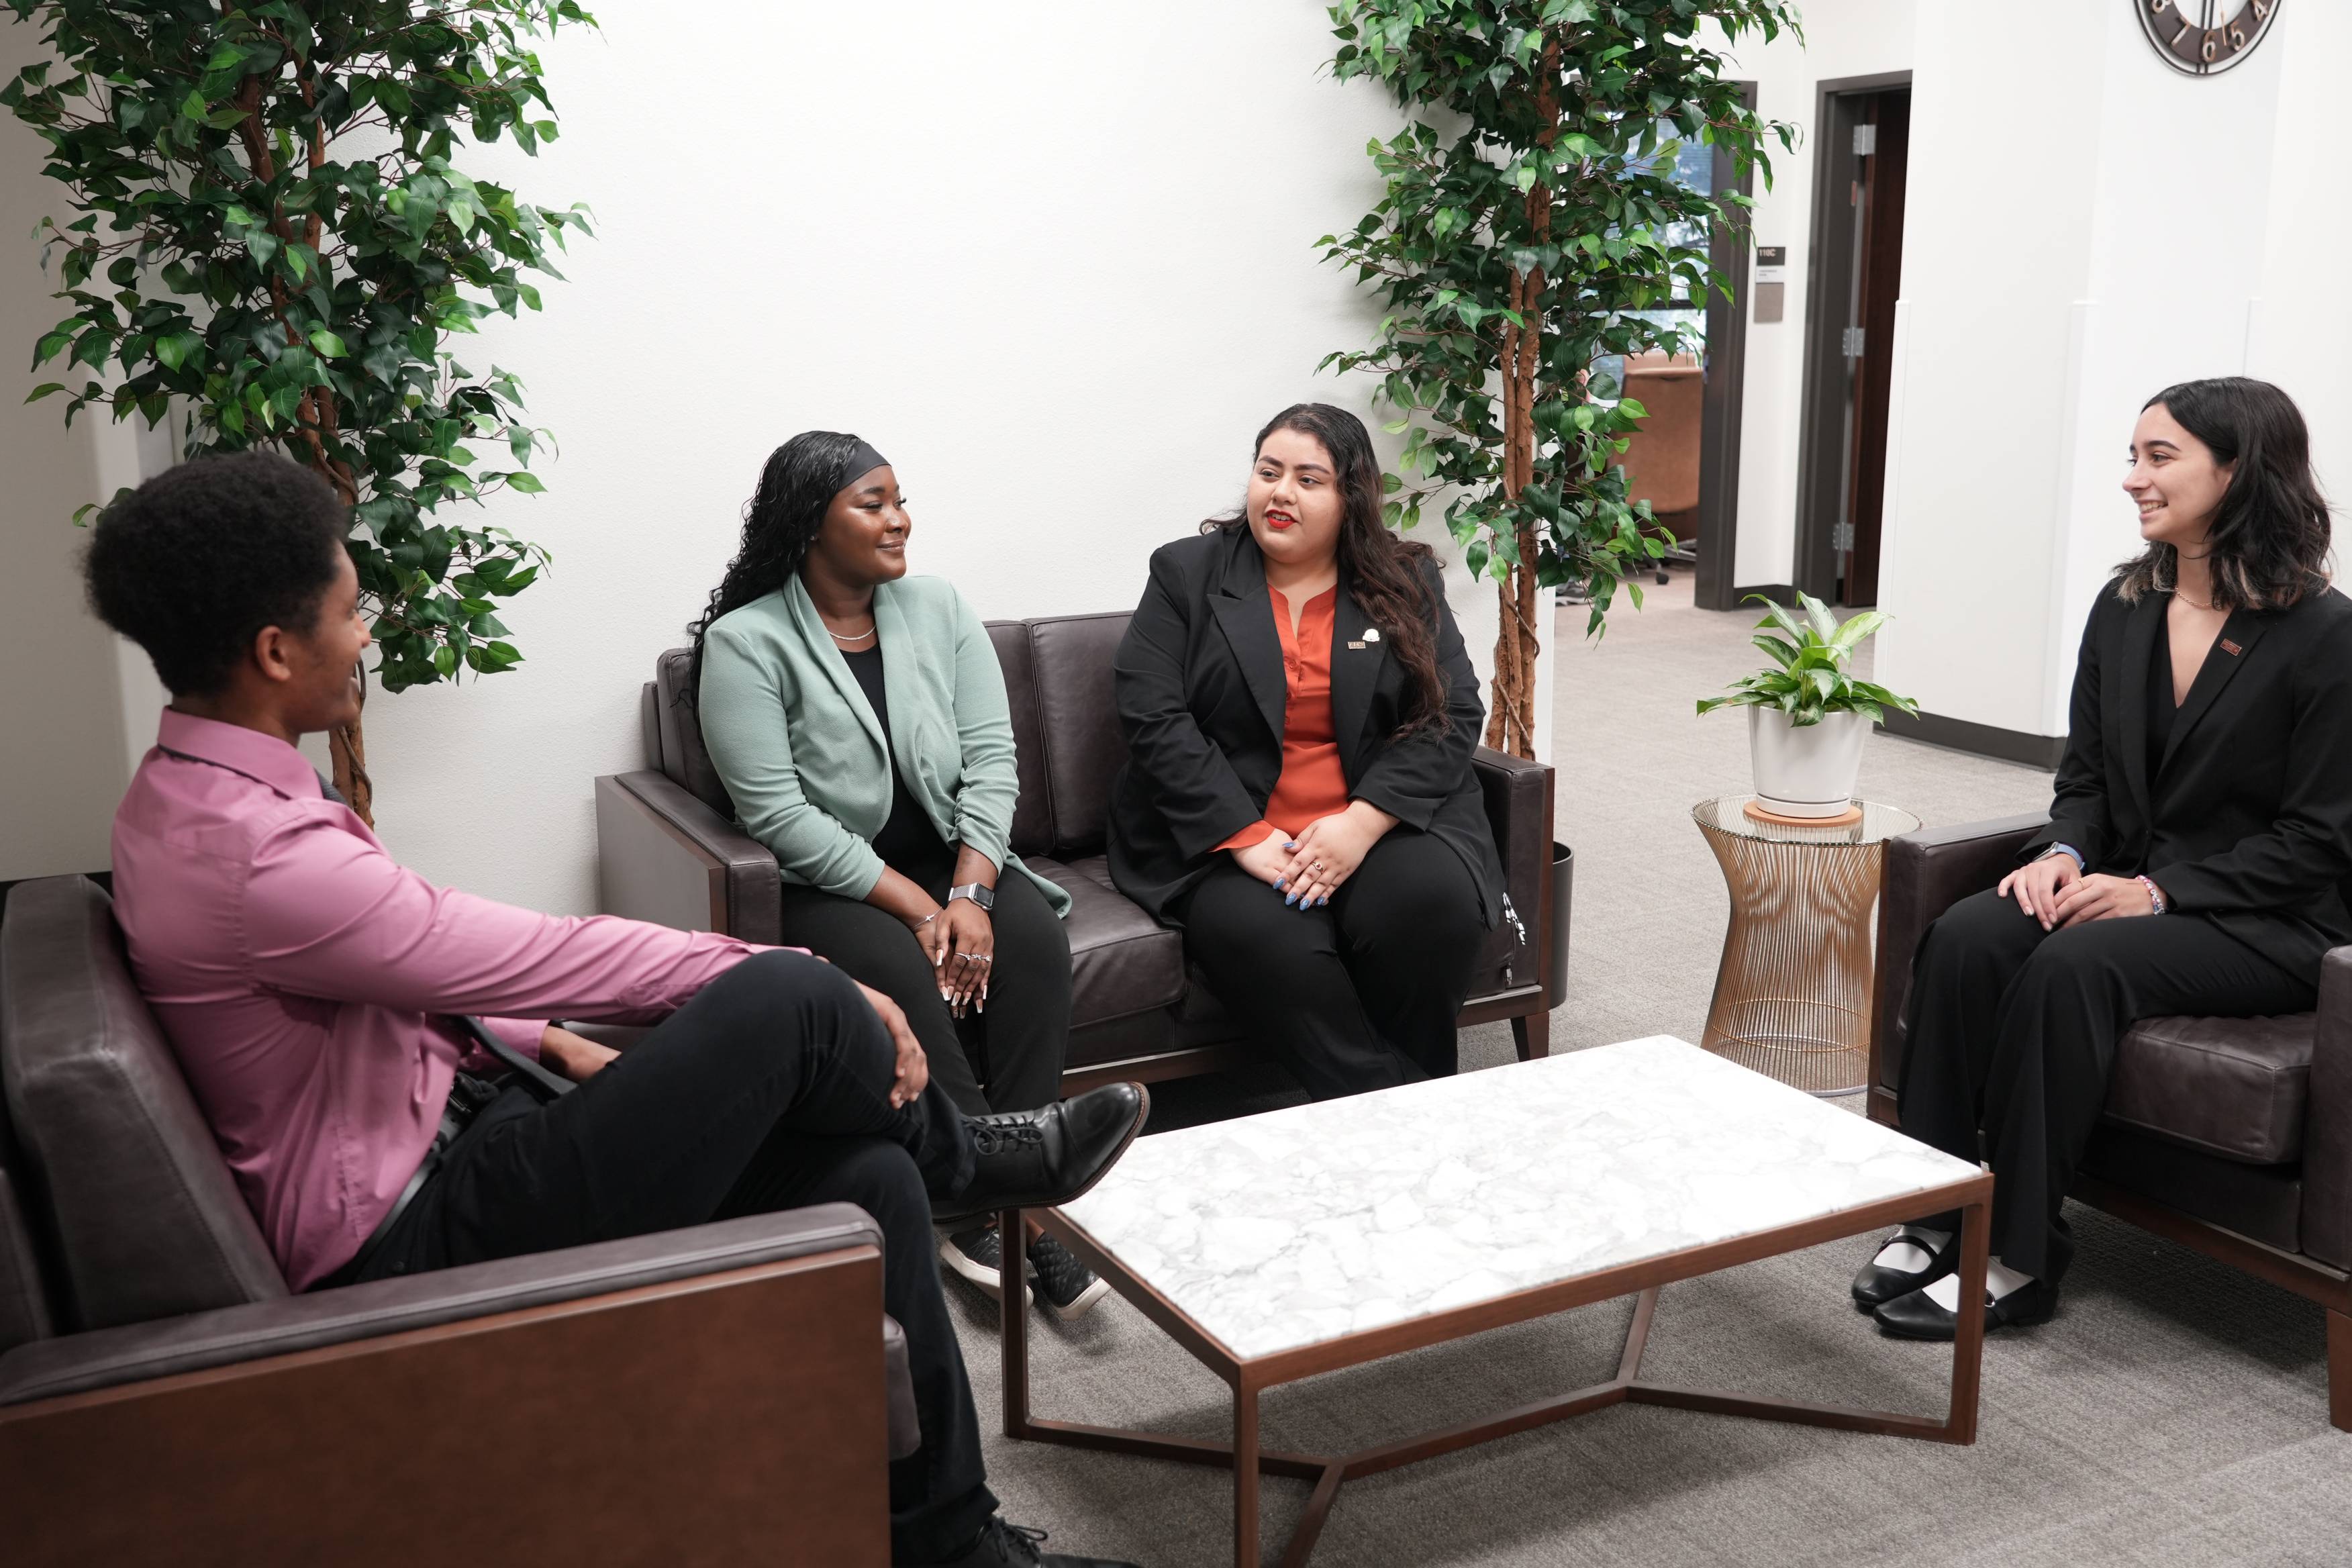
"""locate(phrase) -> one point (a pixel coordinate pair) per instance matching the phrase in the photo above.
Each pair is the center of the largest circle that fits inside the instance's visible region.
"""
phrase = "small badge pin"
(1354, 647)
(1372, 633)
(2232, 650)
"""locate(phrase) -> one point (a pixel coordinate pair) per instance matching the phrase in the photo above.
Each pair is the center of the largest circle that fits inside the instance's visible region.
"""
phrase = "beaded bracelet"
(2155, 895)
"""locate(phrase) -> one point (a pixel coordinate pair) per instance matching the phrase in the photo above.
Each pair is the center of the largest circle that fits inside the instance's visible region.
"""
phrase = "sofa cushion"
(1078, 707)
(147, 1220)
(2231, 1087)
(684, 757)
(1121, 960)
(1032, 813)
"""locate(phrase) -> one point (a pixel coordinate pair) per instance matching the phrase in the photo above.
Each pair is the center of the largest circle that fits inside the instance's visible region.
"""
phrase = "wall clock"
(2200, 38)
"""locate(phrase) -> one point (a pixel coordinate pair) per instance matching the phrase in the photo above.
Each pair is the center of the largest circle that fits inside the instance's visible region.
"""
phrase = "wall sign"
(2201, 38)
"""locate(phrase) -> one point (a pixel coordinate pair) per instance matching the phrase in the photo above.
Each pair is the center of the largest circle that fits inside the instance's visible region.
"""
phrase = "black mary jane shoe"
(1876, 1286)
(1917, 1317)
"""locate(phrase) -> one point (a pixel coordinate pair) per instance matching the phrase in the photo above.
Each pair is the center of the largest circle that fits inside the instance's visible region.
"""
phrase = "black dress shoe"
(1040, 1159)
(1003, 1545)
(1876, 1285)
(1916, 1317)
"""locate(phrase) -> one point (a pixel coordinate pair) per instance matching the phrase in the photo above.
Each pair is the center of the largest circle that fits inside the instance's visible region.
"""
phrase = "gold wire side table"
(1792, 993)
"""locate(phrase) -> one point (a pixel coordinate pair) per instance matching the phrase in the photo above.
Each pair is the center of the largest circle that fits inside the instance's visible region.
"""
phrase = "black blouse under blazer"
(1201, 699)
(2245, 814)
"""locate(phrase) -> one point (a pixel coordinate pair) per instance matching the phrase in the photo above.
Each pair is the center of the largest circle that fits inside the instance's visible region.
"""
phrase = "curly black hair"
(2268, 545)
(194, 563)
(781, 520)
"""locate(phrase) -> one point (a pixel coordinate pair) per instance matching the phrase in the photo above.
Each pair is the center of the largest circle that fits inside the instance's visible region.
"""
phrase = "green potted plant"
(1806, 716)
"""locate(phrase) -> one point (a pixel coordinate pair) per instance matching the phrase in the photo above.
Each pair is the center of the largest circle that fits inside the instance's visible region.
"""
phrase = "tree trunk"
(347, 744)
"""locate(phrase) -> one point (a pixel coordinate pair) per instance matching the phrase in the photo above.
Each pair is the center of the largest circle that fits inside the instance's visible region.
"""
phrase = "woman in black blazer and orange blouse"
(2198, 852)
(1297, 796)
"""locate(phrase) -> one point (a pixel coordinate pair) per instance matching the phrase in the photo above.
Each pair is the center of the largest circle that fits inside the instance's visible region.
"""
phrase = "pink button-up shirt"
(297, 971)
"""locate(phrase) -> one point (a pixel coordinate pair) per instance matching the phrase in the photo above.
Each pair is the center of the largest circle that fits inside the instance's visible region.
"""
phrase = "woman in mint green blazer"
(859, 719)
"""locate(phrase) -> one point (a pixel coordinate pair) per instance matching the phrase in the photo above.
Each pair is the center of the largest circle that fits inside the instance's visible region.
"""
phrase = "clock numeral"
(2186, 29)
(2158, 7)
(2262, 9)
(2236, 40)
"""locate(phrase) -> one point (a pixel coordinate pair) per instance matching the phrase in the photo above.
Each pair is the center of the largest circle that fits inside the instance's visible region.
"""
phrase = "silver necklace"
(859, 637)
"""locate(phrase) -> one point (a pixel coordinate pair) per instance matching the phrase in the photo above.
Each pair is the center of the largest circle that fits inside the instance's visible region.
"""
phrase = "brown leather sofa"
(668, 851)
(699, 1396)
(2230, 1135)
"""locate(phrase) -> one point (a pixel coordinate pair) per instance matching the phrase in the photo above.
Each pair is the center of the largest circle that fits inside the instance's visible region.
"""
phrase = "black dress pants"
(1017, 1046)
(768, 1090)
(1359, 993)
(2012, 1031)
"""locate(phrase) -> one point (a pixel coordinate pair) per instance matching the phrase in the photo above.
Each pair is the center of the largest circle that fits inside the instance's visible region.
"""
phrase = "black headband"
(862, 462)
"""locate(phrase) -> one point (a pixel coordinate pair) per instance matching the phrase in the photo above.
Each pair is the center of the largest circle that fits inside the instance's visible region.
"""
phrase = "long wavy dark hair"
(2268, 545)
(781, 520)
(1383, 571)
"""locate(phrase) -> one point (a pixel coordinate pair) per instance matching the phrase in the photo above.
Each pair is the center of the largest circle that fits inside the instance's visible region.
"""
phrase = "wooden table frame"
(1250, 1376)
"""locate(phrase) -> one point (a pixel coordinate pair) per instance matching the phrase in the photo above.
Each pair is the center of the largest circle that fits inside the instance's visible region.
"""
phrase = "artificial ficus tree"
(1531, 210)
(272, 243)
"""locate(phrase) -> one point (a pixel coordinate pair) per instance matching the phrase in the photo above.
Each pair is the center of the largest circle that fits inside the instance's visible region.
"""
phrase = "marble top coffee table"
(1274, 1247)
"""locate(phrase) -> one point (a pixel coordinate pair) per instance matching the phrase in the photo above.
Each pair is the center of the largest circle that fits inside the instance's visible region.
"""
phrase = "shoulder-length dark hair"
(1384, 573)
(2268, 545)
(781, 520)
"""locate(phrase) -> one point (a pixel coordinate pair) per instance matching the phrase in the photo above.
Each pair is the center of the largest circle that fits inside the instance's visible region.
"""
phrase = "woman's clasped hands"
(1308, 869)
(2058, 893)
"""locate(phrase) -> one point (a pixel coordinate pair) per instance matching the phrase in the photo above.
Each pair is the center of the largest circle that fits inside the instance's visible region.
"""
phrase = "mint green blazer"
(800, 751)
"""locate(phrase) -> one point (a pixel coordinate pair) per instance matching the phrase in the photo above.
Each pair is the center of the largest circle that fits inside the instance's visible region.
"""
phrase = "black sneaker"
(1003, 1545)
(1069, 1287)
(977, 1255)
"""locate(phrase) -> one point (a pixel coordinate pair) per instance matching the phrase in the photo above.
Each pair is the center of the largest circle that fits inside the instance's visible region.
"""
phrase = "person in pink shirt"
(378, 1056)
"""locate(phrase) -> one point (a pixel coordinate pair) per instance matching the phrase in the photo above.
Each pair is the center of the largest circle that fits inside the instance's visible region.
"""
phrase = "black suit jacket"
(1201, 698)
(2247, 817)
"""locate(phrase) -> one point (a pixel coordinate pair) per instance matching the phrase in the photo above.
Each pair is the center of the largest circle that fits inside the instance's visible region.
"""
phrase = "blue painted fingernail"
(1281, 882)
(1290, 899)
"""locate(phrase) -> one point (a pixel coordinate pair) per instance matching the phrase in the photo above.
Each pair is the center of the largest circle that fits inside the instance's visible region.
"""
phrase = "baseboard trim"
(1977, 740)
(1778, 593)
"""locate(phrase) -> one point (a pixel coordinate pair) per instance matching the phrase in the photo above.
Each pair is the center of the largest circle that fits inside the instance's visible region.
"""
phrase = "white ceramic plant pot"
(1807, 772)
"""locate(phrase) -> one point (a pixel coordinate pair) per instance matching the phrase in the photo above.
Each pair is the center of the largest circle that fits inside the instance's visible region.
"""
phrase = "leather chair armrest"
(135, 1353)
(2327, 1120)
(1924, 874)
(664, 855)
(1518, 794)
(700, 1395)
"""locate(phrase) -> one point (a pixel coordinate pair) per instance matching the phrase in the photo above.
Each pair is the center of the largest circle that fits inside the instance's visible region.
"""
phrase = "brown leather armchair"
(2230, 1135)
(700, 1397)
(668, 851)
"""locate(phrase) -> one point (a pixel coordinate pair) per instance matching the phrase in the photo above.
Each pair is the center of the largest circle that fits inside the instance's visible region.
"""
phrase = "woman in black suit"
(1297, 796)
(2197, 851)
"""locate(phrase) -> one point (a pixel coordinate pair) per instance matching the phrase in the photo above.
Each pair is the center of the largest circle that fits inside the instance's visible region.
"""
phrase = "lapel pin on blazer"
(1371, 634)
(2232, 650)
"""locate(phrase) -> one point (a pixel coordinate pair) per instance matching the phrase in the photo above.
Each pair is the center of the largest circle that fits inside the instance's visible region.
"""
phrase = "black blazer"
(1201, 698)
(2247, 817)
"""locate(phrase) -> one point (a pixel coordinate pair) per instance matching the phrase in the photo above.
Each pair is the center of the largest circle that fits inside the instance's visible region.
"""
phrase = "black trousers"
(1017, 1046)
(1361, 994)
(767, 1090)
(2013, 1031)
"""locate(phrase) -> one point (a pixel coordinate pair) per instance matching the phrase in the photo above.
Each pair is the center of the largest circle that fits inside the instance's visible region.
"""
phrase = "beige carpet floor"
(2174, 1414)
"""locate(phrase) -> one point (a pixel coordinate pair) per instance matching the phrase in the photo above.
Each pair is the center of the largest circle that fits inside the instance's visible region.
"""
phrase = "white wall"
(1056, 260)
(2085, 227)
(1841, 38)
(63, 712)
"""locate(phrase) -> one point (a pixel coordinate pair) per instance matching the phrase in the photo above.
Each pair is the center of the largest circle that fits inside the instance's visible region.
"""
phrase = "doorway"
(1685, 459)
(1859, 178)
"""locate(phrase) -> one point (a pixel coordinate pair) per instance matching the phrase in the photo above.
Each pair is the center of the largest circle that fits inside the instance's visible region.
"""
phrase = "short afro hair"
(194, 563)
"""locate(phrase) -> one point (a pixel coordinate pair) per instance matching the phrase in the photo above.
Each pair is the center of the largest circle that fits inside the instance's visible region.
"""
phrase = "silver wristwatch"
(984, 896)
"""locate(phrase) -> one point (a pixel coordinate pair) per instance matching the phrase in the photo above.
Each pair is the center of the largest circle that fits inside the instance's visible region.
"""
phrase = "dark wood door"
(1877, 193)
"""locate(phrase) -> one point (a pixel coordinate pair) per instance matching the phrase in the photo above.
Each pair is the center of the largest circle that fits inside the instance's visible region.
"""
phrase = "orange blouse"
(1313, 784)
